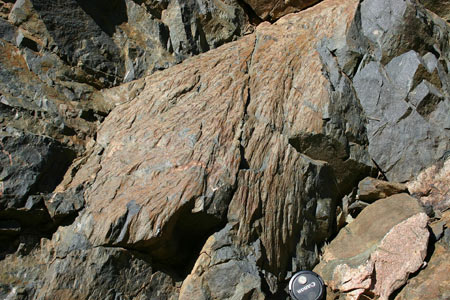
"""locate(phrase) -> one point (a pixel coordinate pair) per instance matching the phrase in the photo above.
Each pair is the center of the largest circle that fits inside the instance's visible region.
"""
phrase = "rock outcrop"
(132, 170)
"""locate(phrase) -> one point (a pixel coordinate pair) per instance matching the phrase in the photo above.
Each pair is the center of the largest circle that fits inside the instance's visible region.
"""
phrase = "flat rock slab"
(378, 250)
(371, 189)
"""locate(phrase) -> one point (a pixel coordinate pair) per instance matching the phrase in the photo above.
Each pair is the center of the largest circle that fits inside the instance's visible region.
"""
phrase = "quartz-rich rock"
(432, 186)
(371, 189)
(432, 282)
(377, 251)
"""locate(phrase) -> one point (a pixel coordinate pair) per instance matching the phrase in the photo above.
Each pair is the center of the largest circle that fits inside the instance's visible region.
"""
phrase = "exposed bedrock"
(219, 177)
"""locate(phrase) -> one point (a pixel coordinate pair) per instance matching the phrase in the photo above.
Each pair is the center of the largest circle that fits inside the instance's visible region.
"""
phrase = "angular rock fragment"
(100, 273)
(209, 142)
(377, 251)
(224, 270)
(397, 128)
(31, 164)
(246, 147)
(371, 189)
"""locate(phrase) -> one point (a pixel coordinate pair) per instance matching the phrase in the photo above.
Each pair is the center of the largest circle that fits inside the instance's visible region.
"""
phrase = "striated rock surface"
(219, 176)
(377, 251)
(224, 270)
(56, 58)
(215, 141)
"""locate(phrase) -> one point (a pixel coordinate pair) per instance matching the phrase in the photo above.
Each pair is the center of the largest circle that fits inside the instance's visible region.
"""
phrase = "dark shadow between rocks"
(106, 14)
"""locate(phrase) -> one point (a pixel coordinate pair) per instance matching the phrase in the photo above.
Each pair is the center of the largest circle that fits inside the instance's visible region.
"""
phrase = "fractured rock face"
(404, 92)
(378, 250)
(224, 270)
(246, 147)
(209, 143)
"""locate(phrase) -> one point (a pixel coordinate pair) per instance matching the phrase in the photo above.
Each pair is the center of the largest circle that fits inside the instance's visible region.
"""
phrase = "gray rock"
(7, 31)
(30, 164)
(225, 270)
(404, 126)
(106, 273)
(65, 205)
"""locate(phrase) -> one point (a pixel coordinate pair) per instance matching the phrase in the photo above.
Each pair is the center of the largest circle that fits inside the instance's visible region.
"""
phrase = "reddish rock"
(216, 129)
(432, 186)
(377, 251)
(433, 282)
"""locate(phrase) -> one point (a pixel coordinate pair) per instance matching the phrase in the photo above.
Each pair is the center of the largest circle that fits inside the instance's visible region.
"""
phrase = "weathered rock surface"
(107, 273)
(371, 189)
(208, 142)
(30, 164)
(224, 270)
(231, 162)
(432, 186)
(377, 251)
(55, 59)
(433, 281)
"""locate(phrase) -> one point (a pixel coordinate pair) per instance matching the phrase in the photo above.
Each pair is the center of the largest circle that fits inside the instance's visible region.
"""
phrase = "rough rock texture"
(433, 281)
(404, 92)
(371, 189)
(432, 186)
(224, 270)
(107, 273)
(230, 162)
(56, 58)
(377, 251)
(216, 139)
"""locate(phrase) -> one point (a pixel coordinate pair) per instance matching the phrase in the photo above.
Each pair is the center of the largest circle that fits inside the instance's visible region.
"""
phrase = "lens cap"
(306, 285)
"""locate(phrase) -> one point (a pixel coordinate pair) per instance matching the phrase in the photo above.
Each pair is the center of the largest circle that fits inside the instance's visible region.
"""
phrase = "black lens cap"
(306, 285)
